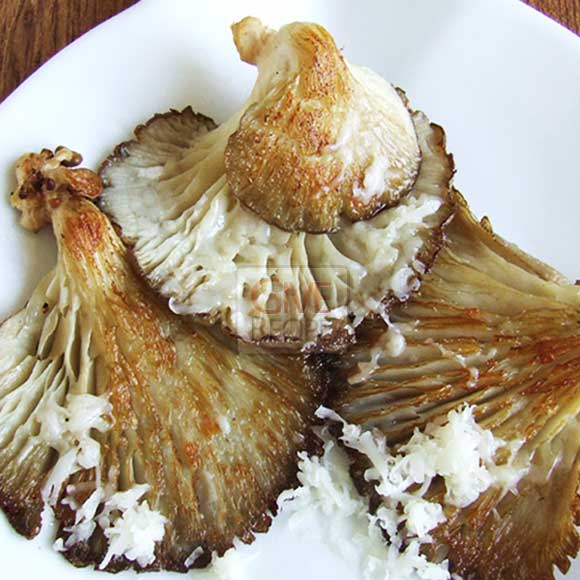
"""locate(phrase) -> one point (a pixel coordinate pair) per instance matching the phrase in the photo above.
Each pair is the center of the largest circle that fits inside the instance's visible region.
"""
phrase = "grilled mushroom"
(152, 439)
(269, 224)
(322, 139)
(498, 330)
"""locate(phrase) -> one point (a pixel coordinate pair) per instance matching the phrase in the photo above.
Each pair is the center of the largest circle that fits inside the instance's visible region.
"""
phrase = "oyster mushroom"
(321, 140)
(497, 330)
(319, 202)
(150, 438)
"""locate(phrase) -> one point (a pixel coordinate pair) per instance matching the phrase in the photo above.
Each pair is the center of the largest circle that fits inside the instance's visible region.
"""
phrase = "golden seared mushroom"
(325, 141)
(41, 181)
(270, 224)
(499, 331)
(155, 442)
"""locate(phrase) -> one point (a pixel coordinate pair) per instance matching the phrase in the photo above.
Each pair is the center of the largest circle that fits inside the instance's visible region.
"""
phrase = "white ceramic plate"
(502, 80)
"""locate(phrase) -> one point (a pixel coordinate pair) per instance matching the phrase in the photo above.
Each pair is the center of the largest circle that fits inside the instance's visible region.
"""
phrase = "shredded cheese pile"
(67, 429)
(383, 545)
(459, 451)
(130, 525)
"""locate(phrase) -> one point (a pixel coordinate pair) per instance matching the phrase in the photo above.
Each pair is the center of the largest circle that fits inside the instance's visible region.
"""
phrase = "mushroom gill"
(117, 413)
(221, 219)
(497, 330)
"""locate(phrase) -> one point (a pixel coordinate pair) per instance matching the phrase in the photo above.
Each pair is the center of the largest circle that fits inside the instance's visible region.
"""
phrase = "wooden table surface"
(31, 31)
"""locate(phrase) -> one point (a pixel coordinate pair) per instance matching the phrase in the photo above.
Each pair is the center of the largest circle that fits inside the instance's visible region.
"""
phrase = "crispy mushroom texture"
(496, 329)
(210, 433)
(42, 180)
(214, 259)
(325, 141)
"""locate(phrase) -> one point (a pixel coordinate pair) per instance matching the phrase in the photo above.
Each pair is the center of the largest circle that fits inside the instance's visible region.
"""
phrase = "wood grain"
(566, 12)
(31, 31)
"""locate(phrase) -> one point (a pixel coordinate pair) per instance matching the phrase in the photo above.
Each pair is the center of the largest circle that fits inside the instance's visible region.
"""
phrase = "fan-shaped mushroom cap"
(207, 436)
(321, 140)
(216, 260)
(320, 146)
(498, 330)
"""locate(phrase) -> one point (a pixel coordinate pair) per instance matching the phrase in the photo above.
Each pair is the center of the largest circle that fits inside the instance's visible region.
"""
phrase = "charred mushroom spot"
(45, 180)
(22, 510)
(83, 234)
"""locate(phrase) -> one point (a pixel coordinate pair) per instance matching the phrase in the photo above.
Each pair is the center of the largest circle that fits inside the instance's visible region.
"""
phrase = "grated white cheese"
(230, 566)
(68, 430)
(321, 322)
(134, 533)
(329, 494)
(84, 525)
(131, 527)
(391, 343)
(233, 565)
(422, 516)
(458, 450)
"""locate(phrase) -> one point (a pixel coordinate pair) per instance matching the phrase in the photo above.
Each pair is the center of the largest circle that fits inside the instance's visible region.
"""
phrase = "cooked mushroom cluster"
(142, 400)
(319, 203)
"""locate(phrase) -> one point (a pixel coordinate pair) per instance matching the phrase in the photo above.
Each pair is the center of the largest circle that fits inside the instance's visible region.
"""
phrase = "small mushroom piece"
(105, 395)
(322, 140)
(498, 330)
(43, 178)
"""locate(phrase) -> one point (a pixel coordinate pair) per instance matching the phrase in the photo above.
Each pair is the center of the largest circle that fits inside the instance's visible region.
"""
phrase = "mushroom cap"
(210, 431)
(321, 141)
(214, 259)
(498, 330)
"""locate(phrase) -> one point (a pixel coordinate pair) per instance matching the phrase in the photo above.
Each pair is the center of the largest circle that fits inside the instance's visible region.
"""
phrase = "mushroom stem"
(250, 37)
